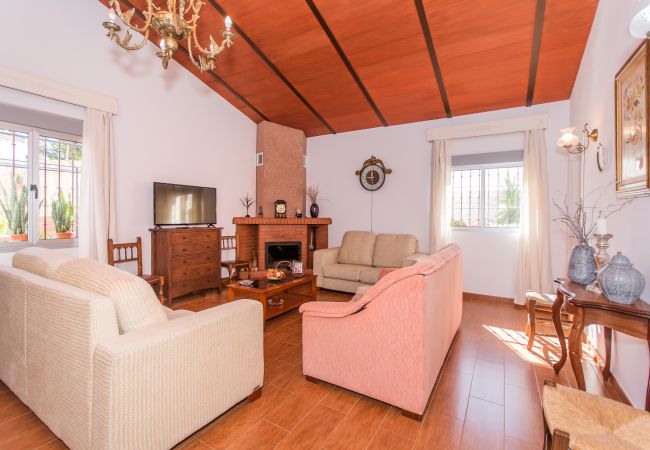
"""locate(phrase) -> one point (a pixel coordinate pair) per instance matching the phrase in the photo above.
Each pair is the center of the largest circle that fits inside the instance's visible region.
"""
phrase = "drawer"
(194, 259)
(182, 237)
(194, 272)
(194, 247)
(187, 286)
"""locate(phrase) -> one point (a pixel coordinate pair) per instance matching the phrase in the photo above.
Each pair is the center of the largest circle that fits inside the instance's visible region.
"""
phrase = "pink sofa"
(389, 343)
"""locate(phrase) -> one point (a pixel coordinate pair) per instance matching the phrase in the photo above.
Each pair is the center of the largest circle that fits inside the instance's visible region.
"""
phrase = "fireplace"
(282, 251)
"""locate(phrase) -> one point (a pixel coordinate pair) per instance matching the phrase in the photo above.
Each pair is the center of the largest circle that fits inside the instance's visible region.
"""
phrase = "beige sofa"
(62, 354)
(361, 258)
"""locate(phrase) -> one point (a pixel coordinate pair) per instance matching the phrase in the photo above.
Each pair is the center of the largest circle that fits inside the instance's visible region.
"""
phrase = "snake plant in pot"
(14, 207)
(62, 216)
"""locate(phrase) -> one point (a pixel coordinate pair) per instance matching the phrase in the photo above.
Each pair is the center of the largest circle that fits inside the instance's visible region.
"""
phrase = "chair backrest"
(228, 242)
(127, 252)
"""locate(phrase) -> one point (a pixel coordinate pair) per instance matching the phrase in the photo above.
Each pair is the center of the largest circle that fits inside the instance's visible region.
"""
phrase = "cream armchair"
(362, 257)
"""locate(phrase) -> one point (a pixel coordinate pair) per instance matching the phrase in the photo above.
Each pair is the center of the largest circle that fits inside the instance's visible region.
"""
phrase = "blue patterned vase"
(620, 282)
(582, 265)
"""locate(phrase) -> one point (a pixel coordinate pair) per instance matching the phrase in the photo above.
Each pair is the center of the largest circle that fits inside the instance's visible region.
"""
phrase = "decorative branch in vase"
(312, 196)
(247, 202)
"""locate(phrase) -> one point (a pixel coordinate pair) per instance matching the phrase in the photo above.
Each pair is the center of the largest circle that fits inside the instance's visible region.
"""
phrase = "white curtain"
(535, 243)
(440, 191)
(97, 196)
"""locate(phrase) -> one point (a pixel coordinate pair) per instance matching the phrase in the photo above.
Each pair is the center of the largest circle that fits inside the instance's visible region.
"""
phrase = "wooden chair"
(233, 266)
(132, 252)
(540, 316)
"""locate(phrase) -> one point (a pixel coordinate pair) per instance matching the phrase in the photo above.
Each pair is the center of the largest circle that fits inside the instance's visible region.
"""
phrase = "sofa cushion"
(39, 261)
(370, 275)
(135, 302)
(391, 249)
(357, 248)
(349, 272)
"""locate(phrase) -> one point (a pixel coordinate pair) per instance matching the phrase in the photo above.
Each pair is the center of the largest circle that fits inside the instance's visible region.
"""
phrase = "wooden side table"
(589, 308)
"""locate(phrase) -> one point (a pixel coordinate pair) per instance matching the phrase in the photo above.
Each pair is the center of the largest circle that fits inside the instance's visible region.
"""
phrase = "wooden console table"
(587, 309)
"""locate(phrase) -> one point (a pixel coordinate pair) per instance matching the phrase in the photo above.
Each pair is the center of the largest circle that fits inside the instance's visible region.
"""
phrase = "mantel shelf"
(287, 221)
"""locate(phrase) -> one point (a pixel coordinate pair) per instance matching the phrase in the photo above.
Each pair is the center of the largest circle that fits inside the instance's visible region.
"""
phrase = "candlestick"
(601, 257)
(601, 226)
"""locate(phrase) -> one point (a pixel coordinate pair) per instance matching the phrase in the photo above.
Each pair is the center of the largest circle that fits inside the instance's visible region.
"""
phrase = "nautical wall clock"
(372, 174)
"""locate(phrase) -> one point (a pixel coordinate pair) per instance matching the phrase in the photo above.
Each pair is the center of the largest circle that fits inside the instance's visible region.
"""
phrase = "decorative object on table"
(14, 207)
(372, 174)
(582, 265)
(280, 209)
(246, 282)
(601, 257)
(312, 196)
(275, 275)
(296, 269)
(247, 202)
(178, 23)
(260, 213)
(62, 216)
(632, 123)
(298, 213)
(620, 282)
(254, 263)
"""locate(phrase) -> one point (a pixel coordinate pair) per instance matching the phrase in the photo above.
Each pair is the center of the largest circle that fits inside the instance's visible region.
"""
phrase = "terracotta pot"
(66, 235)
(19, 237)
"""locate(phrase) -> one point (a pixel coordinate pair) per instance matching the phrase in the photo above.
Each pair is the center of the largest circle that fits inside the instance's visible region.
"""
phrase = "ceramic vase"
(620, 282)
(582, 265)
(313, 210)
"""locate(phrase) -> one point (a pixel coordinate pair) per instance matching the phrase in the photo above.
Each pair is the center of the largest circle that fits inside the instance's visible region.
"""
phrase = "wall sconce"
(572, 143)
(640, 24)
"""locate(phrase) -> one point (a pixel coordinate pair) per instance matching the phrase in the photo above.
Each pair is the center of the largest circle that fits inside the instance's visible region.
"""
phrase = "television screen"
(177, 204)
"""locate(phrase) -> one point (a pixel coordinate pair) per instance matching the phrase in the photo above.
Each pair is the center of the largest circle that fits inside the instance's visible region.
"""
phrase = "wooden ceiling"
(328, 66)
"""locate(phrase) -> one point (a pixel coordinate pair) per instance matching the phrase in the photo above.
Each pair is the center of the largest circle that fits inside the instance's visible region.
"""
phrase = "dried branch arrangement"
(312, 194)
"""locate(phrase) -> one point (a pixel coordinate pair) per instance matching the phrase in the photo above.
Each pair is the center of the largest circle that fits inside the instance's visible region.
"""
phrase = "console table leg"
(608, 353)
(575, 347)
(557, 322)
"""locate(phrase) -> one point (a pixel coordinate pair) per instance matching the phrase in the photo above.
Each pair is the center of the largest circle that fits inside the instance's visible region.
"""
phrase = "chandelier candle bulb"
(228, 22)
(111, 15)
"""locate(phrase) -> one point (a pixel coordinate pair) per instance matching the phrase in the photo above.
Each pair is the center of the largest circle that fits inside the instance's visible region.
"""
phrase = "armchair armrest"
(323, 258)
(414, 259)
(192, 368)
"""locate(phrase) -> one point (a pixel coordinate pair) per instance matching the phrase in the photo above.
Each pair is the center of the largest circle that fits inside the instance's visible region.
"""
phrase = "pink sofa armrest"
(331, 309)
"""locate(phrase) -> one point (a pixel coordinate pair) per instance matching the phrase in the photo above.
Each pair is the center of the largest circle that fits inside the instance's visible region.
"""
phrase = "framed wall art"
(632, 143)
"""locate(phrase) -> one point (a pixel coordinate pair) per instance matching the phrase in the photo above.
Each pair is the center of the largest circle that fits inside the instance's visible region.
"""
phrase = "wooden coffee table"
(293, 292)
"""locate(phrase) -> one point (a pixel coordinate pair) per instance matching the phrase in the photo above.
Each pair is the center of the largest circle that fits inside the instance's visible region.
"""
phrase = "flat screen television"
(178, 204)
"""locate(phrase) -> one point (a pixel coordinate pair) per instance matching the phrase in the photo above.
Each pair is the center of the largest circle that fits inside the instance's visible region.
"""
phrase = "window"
(39, 185)
(487, 196)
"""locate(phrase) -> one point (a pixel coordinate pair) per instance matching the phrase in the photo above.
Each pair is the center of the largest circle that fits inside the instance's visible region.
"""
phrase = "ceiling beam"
(230, 89)
(537, 45)
(346, 61)
(432, 55)
(273, 67)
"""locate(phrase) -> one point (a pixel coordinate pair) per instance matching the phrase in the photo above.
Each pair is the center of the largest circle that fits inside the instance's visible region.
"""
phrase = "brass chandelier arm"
(127, 16)
(124, 41)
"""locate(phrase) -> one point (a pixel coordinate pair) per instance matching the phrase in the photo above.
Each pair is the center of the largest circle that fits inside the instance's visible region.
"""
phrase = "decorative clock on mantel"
(280, 209)
(372, 174)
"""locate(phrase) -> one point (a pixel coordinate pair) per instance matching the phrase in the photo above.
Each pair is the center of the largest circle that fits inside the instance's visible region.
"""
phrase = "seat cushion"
(391, 249)
(370, 275)
(39, 261)
(357, 248)
(348, 272)
(135, 302)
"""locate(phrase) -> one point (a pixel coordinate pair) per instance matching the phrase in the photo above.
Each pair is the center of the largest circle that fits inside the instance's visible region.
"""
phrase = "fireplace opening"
(282, 251)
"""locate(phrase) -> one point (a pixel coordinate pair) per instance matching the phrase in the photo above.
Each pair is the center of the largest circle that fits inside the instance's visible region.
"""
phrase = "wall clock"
(280, 209)
(372, 174)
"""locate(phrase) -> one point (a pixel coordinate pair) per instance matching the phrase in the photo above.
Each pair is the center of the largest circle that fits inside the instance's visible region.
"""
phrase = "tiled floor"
(488, 396)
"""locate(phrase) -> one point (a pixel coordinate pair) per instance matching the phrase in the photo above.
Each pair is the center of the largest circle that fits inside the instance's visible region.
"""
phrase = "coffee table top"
(264, 286)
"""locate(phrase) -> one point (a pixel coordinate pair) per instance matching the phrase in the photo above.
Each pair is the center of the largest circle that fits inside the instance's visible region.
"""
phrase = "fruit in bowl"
(275, 275)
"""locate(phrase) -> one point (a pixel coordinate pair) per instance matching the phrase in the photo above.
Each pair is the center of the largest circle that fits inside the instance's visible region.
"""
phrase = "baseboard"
(612, 382)
(484, 297)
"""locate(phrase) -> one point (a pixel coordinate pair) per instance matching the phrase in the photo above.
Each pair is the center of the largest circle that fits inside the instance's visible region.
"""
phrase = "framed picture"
(632, 143)
(297, 268)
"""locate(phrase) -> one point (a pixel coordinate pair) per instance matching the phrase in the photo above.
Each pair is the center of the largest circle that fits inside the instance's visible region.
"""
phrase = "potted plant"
(62, 216)
(312, 196)
(14, 207)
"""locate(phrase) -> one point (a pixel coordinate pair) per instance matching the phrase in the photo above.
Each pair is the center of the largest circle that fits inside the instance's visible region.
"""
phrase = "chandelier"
(173, 25)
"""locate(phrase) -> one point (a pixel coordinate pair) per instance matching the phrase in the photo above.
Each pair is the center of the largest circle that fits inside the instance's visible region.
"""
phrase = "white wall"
(171, 127)
(592, 100)
(402, 205)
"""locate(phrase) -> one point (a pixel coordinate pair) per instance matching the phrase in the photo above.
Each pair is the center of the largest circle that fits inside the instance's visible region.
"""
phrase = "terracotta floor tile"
(192, 444)
(522, 415)
(488, 381)
(11, 407)
(387, 440)
(294, 406)
(452, 394)
(275, 370)
(520, 373)
(293, 356)
(514, 444)
(341, 399)
(24, 432)
(491, 350)
(358, 428)
(401, 425)
(55, 444)
(314, 430)
(484, 426)
(262, 436)
(440, 432)
(463, 356)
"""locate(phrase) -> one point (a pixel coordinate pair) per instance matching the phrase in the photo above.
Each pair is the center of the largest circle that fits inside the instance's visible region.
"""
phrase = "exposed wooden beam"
(424, 23)
(346, 61)
(537, 44)
(273, 67)
(209, 72)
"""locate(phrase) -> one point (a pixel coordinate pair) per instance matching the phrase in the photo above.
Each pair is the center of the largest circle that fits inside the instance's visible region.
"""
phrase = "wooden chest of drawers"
(188, 258)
